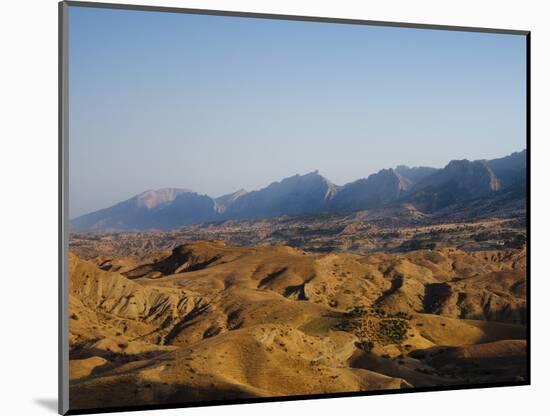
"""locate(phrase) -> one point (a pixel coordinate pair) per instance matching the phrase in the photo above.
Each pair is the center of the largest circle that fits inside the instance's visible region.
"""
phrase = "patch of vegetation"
(375, 326)
(517, 241)
(393, 330)
(416, 244)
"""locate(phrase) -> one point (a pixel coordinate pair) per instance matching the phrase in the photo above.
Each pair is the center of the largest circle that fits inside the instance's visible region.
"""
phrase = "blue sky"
(215, 103)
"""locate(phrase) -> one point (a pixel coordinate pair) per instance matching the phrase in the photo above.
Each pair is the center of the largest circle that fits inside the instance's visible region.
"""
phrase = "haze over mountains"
(427, 189)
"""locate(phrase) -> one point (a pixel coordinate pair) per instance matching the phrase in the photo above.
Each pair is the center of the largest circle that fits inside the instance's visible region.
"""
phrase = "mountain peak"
(153, 198)
(511, 170)
(378, 189)
(224, 201)
(473, 175)
(390, 177)
(294, 195)
(414, 174)
(309, 175)
(459, 164)
(459, 180)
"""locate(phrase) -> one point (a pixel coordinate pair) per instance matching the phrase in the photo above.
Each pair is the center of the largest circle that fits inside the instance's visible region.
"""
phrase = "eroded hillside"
(209, 321)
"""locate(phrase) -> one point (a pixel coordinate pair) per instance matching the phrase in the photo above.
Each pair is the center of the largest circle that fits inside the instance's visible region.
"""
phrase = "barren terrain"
(293, 306)
(397, 229)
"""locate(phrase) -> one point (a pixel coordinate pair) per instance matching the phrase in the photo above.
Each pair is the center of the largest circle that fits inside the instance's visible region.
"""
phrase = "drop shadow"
(49, 404)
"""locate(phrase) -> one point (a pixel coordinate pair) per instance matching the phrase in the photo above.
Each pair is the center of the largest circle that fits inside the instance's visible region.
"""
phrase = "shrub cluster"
(375, 326)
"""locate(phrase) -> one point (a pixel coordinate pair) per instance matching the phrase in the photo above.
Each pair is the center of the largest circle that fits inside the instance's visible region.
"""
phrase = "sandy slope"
(210, 321)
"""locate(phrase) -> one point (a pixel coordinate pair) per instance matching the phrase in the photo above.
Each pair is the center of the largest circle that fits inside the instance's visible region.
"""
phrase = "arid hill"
(210, 321)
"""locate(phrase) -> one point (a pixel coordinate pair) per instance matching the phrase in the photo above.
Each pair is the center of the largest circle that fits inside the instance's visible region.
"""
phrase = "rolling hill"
(210, 321)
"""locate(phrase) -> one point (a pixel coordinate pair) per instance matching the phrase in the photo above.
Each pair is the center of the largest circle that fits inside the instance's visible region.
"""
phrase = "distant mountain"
(511, 170)
(496, 182)
(296, 195)
(377, 190)
(414, 174)
(160, 209)
(460, 180)
(225, 201)
(159, 198)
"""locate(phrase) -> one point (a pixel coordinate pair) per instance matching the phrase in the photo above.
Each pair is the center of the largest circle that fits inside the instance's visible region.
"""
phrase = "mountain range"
(427, 189)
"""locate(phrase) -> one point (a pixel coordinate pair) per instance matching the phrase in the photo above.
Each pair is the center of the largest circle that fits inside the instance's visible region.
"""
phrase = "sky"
(215, 104)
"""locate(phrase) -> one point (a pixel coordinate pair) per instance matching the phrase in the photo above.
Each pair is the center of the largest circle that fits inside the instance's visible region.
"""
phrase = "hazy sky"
(215, 104)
